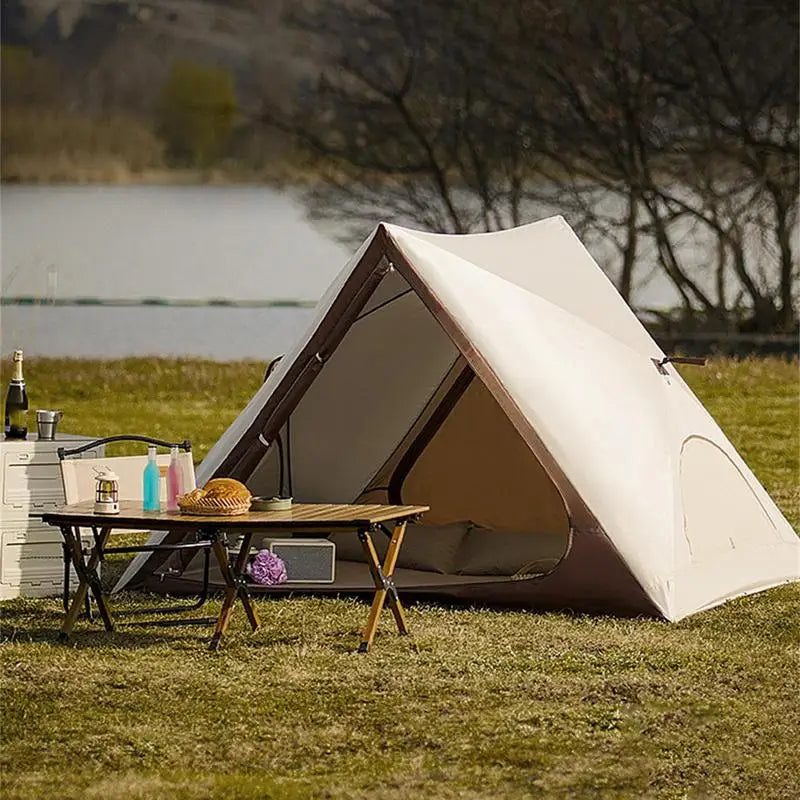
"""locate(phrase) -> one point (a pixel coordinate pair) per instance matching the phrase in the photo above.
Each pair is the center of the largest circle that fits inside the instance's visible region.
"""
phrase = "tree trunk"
(631, 247)
(786, 314)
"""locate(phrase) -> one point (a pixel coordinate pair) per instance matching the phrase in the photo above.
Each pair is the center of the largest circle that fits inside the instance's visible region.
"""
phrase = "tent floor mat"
(351, 576)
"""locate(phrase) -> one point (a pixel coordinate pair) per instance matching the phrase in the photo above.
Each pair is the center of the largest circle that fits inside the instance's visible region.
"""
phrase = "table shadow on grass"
(21, 626)
(142, 634)
(124, 638)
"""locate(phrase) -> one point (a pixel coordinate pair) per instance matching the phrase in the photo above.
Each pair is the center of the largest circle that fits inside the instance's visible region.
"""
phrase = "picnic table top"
(299, 515)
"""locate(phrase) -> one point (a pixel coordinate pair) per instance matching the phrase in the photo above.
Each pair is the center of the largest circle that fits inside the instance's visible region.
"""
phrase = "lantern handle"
(101, 470)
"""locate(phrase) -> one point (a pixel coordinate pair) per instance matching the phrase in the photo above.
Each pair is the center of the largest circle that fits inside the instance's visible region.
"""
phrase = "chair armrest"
(185, 445)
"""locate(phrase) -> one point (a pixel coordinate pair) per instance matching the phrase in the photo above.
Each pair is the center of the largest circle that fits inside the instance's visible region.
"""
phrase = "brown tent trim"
(380, 480)
(429, 429)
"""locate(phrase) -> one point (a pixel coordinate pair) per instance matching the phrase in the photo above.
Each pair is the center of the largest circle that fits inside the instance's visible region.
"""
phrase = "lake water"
(188, 243)
(222, 334)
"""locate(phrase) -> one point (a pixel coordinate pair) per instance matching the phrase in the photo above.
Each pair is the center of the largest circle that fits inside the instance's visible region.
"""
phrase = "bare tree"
(657, 109)
(405, 120)
(733, 72)
(641, 119)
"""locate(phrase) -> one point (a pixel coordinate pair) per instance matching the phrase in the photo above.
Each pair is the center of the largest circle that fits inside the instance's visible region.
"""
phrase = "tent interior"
(397, 416)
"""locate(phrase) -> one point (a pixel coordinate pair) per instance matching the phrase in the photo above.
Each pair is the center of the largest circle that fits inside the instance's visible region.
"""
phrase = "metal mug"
(46, 422)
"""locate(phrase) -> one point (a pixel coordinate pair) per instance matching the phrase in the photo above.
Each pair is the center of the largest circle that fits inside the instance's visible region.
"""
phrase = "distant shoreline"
(121, 302)
(119, 175)
(111, 169)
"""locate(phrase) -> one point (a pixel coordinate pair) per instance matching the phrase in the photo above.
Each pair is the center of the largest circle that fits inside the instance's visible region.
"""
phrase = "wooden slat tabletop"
(300, 515)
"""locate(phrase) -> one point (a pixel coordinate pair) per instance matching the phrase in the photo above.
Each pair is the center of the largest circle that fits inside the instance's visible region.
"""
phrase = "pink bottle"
(174, 480)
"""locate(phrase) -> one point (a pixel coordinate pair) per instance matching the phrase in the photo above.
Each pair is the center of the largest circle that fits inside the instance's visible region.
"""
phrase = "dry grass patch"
(478, 703)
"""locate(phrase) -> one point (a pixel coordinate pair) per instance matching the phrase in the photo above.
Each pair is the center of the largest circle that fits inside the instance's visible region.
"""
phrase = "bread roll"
(219, 496)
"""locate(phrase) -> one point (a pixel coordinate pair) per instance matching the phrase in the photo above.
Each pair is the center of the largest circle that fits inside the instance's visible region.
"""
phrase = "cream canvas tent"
(502, 380)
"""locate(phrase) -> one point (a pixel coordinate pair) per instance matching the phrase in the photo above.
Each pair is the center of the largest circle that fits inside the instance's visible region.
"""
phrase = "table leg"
(392, 553)
(241, 583)
(67, 564)
(100, 539)
(236, 587)
(87, 577)
(384, 584)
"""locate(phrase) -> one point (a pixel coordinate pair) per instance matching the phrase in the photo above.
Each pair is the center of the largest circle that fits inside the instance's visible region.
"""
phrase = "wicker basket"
(210, 510)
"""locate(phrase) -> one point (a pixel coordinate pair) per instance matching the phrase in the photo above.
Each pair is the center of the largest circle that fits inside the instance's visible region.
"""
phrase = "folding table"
(300, 519)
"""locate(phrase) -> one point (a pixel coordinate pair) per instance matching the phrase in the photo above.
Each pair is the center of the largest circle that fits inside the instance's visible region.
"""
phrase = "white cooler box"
(307, 560)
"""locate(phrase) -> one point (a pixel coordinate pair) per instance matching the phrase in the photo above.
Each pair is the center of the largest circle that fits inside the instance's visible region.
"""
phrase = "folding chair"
(78, 477)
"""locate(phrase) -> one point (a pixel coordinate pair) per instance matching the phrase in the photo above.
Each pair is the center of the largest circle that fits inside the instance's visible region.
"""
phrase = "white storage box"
(30, 481)
(32, 561)
(307, 560)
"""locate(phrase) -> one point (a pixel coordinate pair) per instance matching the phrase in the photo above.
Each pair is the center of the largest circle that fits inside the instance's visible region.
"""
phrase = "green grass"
(172, 399)
(476, 704)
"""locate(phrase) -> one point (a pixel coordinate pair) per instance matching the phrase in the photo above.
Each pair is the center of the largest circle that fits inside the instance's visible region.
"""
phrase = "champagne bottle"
(16, 423)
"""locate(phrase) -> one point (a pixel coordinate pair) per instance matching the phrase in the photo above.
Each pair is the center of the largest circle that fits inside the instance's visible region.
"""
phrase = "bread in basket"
(225, 496)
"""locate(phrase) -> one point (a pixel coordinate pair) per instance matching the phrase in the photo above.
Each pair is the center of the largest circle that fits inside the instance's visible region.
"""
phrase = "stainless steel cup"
(46, 421)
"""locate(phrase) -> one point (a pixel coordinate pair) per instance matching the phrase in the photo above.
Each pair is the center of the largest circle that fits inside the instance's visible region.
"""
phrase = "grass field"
(478, 703)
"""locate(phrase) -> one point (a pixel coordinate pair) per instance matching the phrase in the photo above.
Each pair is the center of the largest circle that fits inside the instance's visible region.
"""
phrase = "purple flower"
(266, 568)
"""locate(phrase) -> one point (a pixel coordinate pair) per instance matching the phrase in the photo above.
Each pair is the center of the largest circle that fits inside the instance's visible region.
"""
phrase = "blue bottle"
(151, 488)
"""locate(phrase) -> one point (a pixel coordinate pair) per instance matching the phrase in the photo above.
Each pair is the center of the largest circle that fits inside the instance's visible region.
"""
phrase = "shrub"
(195, 113)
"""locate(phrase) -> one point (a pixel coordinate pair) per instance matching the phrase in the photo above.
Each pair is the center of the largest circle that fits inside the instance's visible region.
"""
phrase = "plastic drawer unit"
(31, 556)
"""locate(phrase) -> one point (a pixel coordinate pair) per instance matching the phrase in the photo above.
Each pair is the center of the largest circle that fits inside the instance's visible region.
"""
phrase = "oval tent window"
(722, 513)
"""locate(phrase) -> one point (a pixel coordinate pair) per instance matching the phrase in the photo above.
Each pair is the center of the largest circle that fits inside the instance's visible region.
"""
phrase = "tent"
(501, 379)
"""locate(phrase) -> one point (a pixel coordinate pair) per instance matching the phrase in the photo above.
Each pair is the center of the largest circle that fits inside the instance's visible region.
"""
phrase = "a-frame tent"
(501, 379)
